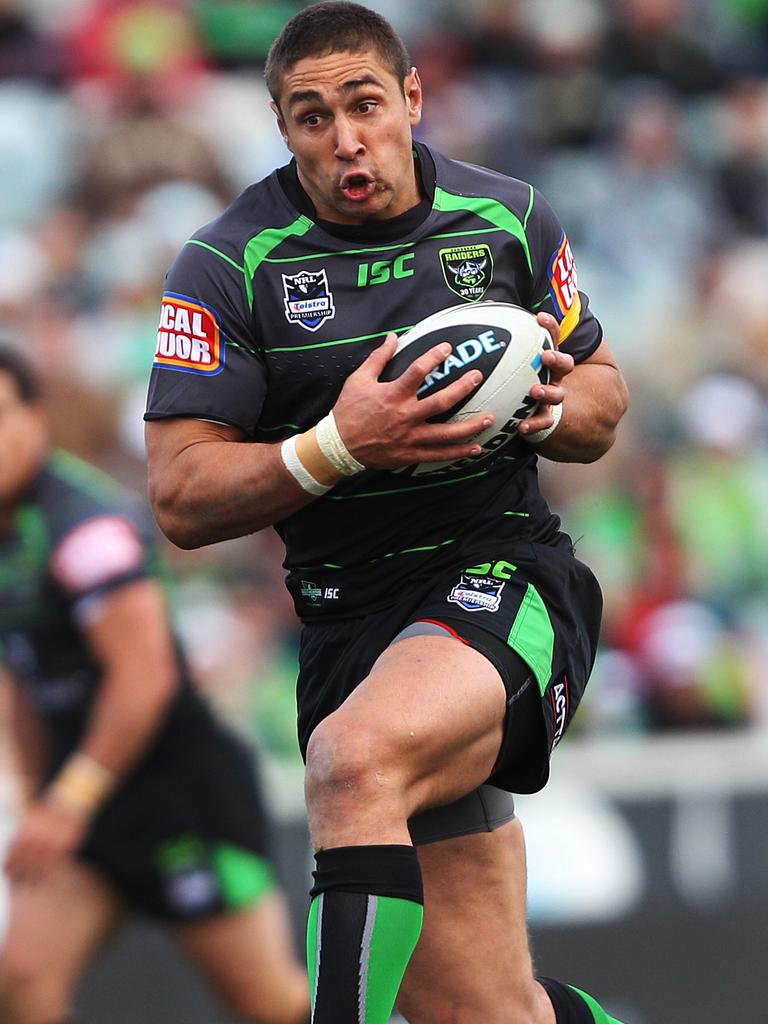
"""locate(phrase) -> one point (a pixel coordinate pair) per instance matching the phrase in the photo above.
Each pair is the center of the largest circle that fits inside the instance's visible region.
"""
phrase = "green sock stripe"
(392, 929)
(599, 1014)
(244, 876)
(314, 924)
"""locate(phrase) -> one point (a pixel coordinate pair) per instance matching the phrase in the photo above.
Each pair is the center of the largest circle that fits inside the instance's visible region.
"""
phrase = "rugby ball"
(504, 341)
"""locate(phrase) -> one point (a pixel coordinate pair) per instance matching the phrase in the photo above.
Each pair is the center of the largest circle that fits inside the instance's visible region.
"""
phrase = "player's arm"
(29, 749)
(207, 485)
(592, 396)
(129, 636)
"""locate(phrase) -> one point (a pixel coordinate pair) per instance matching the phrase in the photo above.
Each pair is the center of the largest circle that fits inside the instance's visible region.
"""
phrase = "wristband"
(542, 435)
(298, 470)
(82, 784)
(333, 448)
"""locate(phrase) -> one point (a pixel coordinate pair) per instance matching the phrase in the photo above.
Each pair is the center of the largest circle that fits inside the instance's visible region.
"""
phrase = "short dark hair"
(22, 373)
(333, 27)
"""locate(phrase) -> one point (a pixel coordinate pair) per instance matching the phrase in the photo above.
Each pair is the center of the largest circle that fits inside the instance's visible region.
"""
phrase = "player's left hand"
(560, 365)
(48, 833)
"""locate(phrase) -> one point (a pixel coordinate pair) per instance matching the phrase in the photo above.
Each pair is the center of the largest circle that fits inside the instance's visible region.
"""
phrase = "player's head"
(334, 27)
(23, 427)
(346, 101)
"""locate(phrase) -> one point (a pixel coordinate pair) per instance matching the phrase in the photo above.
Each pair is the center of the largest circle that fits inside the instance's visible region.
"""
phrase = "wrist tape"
(541, 435)
(298, 470)
(333, 448)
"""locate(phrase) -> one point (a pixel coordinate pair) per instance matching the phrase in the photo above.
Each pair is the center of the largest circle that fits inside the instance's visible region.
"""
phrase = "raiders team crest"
(477, 594)
(468, 270)
(308, 299)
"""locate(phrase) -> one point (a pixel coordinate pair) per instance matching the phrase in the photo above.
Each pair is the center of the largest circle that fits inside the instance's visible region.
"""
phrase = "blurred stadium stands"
(128, 123)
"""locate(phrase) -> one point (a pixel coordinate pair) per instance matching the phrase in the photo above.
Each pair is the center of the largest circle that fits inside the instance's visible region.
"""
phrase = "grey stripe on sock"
(319, 942)
(365, 956)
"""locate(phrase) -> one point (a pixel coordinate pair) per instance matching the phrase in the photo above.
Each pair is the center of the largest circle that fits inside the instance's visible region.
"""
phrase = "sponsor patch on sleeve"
(96, 552)
(564, 289)
(189, 337)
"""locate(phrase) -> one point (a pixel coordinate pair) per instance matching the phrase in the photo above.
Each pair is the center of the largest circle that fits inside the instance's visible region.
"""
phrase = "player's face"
(348, 121)
(22, 441)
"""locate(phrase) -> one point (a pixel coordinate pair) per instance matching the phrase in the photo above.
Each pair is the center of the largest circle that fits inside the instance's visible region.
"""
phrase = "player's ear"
(413, 96)
(281, 124)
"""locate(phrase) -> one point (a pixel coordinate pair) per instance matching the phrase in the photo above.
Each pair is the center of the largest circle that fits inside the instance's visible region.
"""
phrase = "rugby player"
(138, 798)
(448, 628)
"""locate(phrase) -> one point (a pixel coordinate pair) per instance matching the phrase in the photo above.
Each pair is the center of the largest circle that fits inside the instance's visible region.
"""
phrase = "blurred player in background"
(449, 629)
(137, 798)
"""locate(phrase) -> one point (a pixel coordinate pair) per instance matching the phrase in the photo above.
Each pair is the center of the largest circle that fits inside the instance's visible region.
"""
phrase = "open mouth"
(358, 186)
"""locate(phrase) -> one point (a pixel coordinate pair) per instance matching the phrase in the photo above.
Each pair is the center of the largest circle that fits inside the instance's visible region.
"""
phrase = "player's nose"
(348, 142)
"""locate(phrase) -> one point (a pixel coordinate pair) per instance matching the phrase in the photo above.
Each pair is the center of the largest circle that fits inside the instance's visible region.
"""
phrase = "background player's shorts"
(532, 610)
(186, 836)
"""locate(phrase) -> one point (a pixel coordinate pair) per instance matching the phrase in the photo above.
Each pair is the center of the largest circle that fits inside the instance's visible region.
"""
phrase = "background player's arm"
(593, 395)
(29, 748)
(206, 485)
(130, 638)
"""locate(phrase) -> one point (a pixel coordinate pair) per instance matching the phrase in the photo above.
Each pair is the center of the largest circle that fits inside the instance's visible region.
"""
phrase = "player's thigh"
(248, 957)
(430, 715)
(472, 961)
(56, 925)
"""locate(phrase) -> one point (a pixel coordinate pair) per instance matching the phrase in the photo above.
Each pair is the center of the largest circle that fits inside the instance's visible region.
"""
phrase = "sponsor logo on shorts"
(193, 890)
(560, 697)
(308, 300)
(189, 338)
(564, 289)
(314, 594)
(477, 594)
(468, 270)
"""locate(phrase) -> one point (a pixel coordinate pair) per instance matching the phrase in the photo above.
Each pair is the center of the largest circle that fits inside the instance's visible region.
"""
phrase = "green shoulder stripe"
(488, 209)
(261, 245)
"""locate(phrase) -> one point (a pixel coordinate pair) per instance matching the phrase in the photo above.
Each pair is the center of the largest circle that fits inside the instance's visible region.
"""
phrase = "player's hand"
(48, 833)
(560, 365)
(384, 424)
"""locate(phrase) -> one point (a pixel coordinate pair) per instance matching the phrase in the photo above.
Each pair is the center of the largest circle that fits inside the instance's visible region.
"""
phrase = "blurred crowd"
(126, 124)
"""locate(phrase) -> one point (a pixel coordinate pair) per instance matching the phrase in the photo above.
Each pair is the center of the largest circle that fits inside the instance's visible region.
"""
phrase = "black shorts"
(533, 610)
(186, 836)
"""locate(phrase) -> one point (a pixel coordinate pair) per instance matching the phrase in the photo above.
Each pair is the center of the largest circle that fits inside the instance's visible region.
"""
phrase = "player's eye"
(366, 106)
(311, 120)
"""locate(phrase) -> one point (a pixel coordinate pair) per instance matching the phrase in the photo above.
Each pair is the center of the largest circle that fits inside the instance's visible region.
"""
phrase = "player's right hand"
(48, 832)
(384, 425)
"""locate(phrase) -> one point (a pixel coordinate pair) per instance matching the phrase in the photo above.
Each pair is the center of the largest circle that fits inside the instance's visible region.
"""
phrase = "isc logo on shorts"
(564, 289)
(189, 338)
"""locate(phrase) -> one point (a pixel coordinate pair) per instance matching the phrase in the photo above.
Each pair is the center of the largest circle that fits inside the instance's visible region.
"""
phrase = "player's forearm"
(596, 399)
(29, 747)
(215, 490)
(127, 716)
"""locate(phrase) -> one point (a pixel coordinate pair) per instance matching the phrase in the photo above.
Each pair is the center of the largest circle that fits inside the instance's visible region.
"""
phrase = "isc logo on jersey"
(564, 288)
(189, 337)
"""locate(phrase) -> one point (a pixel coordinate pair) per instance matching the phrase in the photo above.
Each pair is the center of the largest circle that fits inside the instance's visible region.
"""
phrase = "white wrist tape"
(541, 435)
(297, 469)
(334, 449)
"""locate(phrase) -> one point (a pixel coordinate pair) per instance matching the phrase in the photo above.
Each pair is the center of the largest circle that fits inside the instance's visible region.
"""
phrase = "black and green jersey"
(75, 537)
(268, 310)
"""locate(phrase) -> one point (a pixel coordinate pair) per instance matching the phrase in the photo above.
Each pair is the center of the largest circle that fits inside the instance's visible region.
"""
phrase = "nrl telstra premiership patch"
(308, 300)
(477, 594)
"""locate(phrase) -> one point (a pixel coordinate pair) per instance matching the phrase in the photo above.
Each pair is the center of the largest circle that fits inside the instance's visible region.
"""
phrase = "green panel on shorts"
(533, 638)
(244, 876)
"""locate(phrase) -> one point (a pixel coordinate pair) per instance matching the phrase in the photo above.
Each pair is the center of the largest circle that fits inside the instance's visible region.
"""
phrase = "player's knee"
(348, 763)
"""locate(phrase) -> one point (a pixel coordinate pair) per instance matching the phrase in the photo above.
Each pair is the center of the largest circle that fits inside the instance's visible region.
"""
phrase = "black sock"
(364, 923)
(572, 1006)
